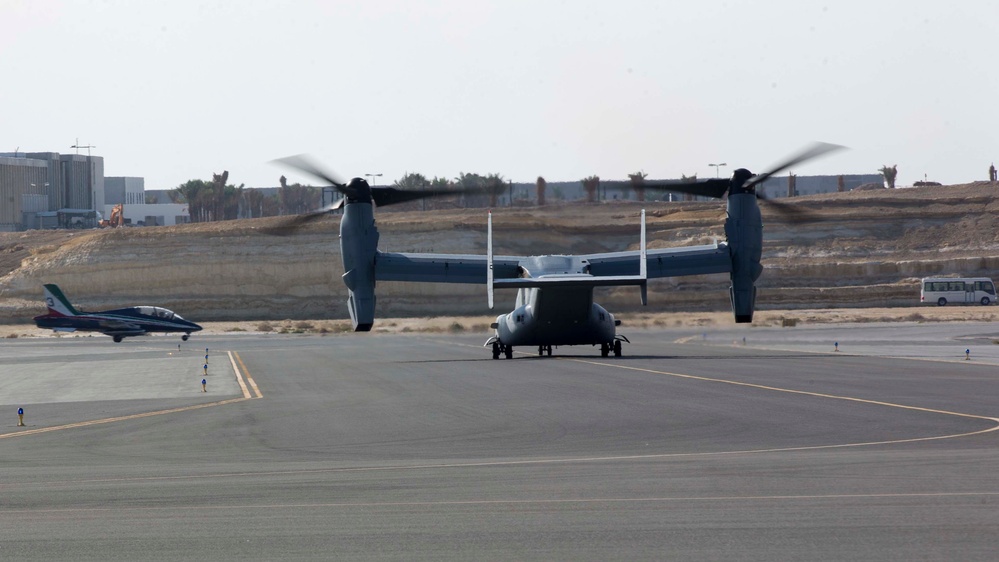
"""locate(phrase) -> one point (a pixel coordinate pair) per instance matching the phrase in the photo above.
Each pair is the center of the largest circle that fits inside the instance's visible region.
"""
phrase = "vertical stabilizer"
(57, 302)
(489, 258)
(643, 265)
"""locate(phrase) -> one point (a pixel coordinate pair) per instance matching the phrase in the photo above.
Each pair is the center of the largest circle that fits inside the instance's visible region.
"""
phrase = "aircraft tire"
(117, 339)
(496, 350)
(508, 351)
(185, 337)
(617, 348)
(604, 350)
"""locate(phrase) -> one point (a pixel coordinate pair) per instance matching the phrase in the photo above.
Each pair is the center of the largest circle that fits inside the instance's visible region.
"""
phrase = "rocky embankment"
(858, 249)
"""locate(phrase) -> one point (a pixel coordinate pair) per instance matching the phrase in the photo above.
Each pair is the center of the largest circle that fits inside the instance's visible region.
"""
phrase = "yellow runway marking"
(119, 418)
(787, 390)
(994, 420)
(239, 378)
(252, 382)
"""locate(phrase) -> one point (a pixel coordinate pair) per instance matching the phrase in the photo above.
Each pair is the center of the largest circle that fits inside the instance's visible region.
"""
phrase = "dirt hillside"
(857, 249)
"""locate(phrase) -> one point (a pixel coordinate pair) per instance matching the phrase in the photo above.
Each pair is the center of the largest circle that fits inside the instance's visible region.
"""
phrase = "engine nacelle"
(744, 230)
(358, 246)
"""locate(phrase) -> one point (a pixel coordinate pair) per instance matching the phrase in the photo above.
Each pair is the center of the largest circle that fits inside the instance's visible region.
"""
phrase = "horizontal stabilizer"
(569, 281)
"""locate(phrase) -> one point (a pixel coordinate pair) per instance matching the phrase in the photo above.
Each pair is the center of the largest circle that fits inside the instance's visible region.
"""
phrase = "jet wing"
(113, 327)
(663, 262)
(443, 268)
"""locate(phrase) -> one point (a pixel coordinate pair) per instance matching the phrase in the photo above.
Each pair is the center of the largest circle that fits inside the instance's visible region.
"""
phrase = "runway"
(694, 445)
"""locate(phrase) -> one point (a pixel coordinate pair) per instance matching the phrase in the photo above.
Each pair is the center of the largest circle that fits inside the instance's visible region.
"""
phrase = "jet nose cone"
(195, 327)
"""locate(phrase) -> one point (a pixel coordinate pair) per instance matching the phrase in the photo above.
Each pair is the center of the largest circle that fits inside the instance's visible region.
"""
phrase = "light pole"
(716, 167)
(373, 176)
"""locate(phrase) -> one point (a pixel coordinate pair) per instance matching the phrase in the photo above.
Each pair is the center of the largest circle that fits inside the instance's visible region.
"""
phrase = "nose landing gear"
(606, 348)
(506, 350)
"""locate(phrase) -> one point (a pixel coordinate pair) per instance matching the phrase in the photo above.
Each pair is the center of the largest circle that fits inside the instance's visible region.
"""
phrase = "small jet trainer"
(119, 323)
(554, 303)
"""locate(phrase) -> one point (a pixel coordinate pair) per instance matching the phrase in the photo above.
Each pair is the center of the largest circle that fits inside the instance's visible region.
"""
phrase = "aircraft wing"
(443, 268)
(663, 262)
(111, 327)
(612, 268)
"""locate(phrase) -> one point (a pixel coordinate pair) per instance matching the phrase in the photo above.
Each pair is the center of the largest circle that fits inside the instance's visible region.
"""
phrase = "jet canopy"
(158, 312)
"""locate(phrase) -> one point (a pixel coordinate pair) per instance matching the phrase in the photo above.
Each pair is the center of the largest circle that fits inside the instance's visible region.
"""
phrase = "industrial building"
(52, 190)
(36, 186)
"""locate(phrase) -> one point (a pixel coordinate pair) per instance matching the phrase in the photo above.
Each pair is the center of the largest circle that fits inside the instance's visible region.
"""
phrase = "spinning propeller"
(357, 190)
(742, 180)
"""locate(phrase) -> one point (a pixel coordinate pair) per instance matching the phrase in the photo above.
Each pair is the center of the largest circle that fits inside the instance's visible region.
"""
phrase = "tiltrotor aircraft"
(554, 304)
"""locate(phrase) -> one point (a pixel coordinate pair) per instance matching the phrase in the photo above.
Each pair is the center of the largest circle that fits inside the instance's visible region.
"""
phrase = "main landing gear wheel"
(185, 337)
(117, 339)
(496, 350)
(617, 348)
(604, 349)
(542, 349)
(508, 349)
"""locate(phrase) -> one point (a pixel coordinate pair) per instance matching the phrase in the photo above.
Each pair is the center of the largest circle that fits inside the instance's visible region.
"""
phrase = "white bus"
(957, 290)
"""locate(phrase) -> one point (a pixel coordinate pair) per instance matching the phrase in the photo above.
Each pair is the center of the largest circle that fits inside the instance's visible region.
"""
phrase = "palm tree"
(592, 186)
(637, 179)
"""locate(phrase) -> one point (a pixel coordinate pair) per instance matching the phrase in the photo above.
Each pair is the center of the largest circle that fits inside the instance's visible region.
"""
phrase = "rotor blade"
(295, 222)
(813, 151)
(304, 164)
(791, 212)
(384, 196)
(714, 187)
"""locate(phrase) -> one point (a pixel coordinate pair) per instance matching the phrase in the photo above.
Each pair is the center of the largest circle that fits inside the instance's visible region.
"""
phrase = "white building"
(130, 192)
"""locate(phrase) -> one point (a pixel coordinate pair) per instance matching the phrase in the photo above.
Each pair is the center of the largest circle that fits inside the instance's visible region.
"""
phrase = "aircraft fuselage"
(556, 316)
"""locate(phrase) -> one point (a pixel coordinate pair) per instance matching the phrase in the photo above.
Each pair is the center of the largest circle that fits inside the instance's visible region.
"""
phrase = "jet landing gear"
(185, 337)
(506, 350)
(542, 349)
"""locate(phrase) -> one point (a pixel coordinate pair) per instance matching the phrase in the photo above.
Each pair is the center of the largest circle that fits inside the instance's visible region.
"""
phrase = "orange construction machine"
(116, 219)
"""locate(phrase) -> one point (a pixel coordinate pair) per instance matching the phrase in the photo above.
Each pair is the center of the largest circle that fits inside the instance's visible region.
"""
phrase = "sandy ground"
(480, 324)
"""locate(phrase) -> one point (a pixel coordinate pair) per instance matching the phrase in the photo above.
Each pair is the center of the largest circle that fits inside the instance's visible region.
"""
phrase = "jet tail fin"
(57, 302)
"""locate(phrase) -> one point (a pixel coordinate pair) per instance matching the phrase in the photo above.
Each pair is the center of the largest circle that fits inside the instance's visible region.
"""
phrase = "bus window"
(985, 286)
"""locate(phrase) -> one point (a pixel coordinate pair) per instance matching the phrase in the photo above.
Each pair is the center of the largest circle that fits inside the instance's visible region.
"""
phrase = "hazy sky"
(177, 90)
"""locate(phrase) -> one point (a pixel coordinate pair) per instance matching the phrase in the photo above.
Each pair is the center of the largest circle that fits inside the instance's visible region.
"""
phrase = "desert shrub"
(304, 326)
(12, 336)
(265, 327)
(788, 322)
(235, 329)
(456, 327)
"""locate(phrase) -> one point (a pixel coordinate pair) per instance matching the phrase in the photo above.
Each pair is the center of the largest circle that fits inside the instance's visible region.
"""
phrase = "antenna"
(78, 146)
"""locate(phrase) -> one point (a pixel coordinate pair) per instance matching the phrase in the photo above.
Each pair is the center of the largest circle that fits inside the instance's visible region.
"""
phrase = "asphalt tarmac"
(696, 445)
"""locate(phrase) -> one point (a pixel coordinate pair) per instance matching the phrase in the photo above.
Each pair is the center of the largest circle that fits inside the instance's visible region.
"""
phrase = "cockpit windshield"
(158, 312)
